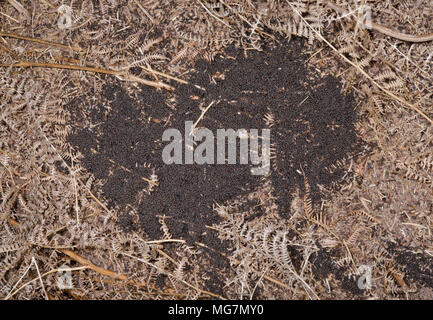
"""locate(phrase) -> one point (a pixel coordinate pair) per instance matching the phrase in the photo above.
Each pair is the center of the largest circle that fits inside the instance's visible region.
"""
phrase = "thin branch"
(19, 7)
(122, 75)
(145, 11)
(50, 43)
(40, 278)
(150, 70)
(87, 263)
(220, 20)
(201, 116)
(9, 17)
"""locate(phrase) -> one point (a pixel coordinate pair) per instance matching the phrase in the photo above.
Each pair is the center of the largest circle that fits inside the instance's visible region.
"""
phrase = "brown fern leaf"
(364, 214)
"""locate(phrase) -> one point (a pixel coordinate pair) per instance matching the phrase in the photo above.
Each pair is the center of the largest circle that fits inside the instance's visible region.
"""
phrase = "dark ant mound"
(311, 123)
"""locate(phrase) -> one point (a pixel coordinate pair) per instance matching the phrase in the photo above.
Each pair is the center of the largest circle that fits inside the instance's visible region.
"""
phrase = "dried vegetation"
(53, 215)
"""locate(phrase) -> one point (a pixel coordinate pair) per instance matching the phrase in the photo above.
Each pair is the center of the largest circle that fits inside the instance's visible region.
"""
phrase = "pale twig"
(95, 198)
(119, 74)
(208, 11)
(168, 257)
(55, 44)
(19, 7)
(257, 283)
(40, 278)
(75, 186)
(9, 17)
(130, 77)
(144, 10)
(407, 58)
(150, 70)
(201, 116)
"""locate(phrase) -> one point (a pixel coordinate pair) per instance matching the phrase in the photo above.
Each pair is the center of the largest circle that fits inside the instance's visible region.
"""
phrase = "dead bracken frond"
(84, 84)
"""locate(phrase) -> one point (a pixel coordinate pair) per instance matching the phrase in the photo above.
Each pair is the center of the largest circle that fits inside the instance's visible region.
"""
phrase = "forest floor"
(89, 209)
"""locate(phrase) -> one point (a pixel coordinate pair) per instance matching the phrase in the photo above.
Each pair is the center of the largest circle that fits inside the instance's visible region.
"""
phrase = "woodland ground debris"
(82, 111)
